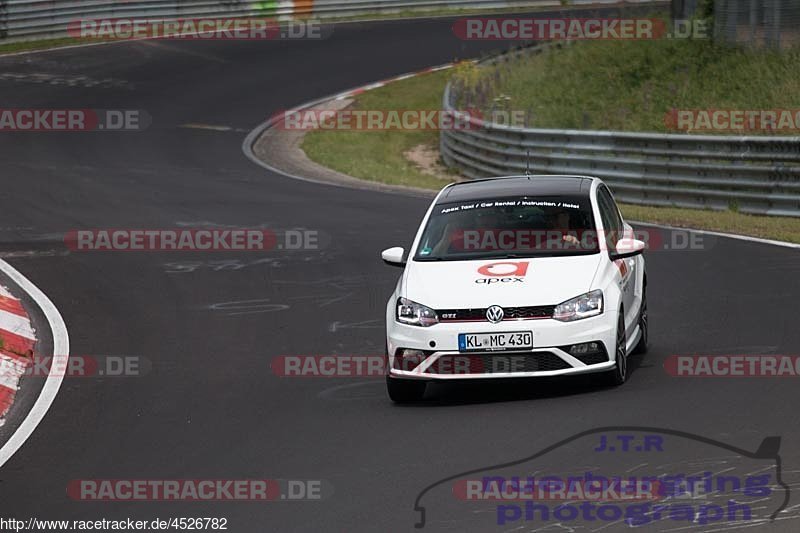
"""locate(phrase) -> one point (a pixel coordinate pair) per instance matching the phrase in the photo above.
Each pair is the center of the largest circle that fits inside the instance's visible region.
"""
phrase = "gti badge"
(494, 314)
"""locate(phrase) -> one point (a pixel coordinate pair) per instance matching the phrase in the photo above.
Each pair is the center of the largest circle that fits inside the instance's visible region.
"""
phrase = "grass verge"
(379, 156)
(632, 85)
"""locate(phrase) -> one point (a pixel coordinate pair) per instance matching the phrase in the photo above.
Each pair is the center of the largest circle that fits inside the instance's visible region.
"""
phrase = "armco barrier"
(753, 174)
(40, 19)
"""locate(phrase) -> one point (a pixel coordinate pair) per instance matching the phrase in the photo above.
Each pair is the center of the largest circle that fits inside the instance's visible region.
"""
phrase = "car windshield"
(509, 227)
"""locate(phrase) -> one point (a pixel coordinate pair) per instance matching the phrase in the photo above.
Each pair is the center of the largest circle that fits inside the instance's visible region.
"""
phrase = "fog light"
(585, 348)
(407, 359)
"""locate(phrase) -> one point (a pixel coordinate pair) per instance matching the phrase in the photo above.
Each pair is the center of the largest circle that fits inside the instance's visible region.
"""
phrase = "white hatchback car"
(520, 276)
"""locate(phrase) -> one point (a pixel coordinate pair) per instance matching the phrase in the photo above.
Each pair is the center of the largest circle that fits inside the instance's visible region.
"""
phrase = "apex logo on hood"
(503, 272)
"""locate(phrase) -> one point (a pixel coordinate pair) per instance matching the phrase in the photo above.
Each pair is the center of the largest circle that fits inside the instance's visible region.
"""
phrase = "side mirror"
(393, 256)
(627, 248)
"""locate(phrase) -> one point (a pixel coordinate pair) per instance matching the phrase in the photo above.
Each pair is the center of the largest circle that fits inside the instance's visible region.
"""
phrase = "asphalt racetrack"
(209, 324)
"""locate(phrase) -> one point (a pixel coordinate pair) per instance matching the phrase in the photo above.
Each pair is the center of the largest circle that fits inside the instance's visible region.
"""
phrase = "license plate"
(514, 340)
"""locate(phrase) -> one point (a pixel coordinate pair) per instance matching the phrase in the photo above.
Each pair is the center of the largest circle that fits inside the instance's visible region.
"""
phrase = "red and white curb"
(17, 340)
(359, 90)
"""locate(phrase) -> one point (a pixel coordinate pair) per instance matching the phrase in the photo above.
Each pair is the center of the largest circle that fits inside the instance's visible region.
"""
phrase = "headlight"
(583, 306)
(409, 312)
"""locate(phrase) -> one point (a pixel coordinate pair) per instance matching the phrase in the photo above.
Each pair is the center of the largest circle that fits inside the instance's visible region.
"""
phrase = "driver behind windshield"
(561, 222)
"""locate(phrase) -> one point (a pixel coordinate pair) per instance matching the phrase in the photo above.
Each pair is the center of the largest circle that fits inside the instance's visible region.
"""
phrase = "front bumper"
(547, 358)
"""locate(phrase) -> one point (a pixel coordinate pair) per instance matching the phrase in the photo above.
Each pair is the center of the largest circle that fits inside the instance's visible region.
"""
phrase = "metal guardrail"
(40, 19)
(752, 174)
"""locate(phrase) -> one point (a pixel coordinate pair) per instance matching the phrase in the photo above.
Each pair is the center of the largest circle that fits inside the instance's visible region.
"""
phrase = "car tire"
(619, 374)
(405, 390)
(641, 346)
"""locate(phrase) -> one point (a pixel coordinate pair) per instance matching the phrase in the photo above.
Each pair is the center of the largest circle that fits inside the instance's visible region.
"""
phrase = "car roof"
(536, 185)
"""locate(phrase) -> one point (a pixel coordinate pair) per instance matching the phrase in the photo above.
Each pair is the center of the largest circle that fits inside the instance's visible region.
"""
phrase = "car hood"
(504, 282)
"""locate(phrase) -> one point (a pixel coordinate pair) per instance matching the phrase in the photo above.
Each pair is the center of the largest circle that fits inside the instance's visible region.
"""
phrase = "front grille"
(510, 313)
(493, 363)
(539, 311)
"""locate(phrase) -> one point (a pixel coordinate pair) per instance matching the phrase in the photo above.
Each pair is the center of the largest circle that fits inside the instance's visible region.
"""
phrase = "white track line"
(60, 357)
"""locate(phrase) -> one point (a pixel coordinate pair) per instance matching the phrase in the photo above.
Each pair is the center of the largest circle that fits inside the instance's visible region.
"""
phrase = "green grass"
(378, 155)
(632, 85)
